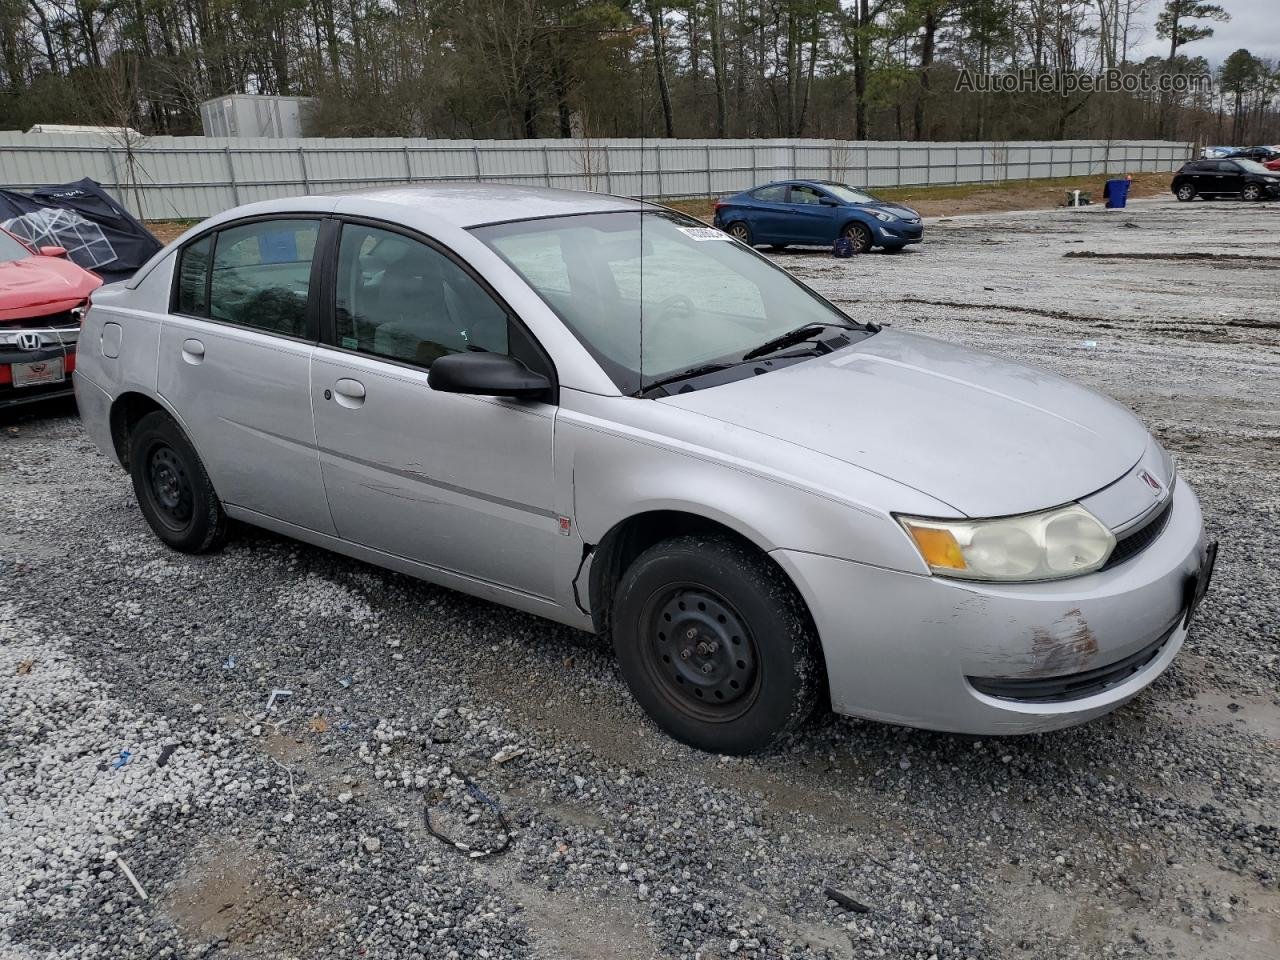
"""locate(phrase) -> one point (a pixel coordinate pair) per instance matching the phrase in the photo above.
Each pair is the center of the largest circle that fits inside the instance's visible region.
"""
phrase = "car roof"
(469, 204)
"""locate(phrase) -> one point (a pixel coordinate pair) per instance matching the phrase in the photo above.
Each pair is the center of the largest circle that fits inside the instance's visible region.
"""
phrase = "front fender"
(628, 456)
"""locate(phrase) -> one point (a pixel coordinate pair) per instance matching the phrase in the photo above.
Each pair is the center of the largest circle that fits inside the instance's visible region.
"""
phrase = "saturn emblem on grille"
(1151, 482)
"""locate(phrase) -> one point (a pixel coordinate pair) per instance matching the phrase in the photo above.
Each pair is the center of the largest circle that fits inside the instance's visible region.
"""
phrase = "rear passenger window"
(401, 299)
(262, 274)
(193, 278)
(775, 194)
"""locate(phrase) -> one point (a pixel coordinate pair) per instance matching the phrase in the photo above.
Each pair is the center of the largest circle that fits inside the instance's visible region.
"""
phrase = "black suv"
(1246, 179)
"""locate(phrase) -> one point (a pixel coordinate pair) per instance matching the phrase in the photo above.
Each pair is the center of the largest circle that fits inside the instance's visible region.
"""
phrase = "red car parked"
(1273, 164)
(42, 298)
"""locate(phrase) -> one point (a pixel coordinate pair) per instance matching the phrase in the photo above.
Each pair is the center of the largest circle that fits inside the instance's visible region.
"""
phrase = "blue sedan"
(815, 213)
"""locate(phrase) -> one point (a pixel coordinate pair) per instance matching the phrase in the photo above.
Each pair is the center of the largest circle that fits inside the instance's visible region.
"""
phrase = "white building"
(253, 115)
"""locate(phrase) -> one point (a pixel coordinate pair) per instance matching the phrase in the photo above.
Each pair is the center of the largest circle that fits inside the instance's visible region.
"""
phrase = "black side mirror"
(485, 374)
(829, 201)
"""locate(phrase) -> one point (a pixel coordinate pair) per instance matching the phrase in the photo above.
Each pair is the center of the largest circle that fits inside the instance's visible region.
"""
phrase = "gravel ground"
(299, 831)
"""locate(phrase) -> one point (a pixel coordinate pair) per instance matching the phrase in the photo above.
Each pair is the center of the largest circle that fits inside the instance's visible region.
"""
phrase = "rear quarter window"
(192, 295)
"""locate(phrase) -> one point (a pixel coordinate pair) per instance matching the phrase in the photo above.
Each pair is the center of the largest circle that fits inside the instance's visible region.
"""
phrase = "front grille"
(55, 329)
(1133, 542)
(1072, 686)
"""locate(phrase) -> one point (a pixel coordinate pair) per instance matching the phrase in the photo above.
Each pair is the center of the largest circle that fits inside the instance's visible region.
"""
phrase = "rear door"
(461, 483)
(770, 215)
(812, 221)
(235, 359)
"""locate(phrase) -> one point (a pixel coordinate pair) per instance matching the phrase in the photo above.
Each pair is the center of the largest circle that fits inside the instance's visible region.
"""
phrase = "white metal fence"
(182, 177)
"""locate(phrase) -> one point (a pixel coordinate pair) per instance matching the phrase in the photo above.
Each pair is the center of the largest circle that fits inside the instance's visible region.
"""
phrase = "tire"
(716, 645)
(859, 235)
(740, 231)
(1185, 192)
(172, 488)
(1251, 192)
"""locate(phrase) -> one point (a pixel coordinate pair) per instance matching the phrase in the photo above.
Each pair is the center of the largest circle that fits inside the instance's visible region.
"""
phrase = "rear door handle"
(349, 393)
(192, 351)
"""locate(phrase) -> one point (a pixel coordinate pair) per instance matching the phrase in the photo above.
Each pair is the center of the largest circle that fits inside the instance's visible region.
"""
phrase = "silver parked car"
(608, 414)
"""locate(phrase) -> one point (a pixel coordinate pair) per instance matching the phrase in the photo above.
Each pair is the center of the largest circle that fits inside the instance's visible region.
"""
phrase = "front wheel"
(859, 236)
(173, 490)
(715, 644)
(1185, 192)
(1251, 192)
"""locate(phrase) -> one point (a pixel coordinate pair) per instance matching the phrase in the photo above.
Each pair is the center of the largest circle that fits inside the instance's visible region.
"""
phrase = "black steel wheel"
(168, 487)
(859, 235)
(173, 490)
(716, 644)
(699, 653)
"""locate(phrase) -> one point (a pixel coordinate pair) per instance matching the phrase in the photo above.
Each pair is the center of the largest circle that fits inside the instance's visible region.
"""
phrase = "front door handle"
(349, 393)
(192, 351)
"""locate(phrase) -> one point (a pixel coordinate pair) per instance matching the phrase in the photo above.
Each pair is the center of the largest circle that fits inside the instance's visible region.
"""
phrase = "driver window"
(262, 273)
(404, 300)
(805, 195)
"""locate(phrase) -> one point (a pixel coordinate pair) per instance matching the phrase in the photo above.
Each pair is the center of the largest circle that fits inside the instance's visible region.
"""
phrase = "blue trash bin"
(1115, 192)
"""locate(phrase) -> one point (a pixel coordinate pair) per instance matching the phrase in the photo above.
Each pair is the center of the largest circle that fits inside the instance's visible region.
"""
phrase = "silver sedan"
(608, 414)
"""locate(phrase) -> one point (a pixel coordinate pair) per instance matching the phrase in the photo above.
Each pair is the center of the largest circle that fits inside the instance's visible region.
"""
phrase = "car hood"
(38, 286)
(897, 209)
(987, 436)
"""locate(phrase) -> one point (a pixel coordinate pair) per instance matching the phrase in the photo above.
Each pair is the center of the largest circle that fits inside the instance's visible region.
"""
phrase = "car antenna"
(644, 119)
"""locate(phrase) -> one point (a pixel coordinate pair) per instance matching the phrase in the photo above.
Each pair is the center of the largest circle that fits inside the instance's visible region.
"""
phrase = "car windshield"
(850, 194)
(653, 295)
(1251, 166)
(11, 249)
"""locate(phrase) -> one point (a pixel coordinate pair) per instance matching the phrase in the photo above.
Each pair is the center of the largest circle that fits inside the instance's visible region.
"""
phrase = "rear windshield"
(11, 249)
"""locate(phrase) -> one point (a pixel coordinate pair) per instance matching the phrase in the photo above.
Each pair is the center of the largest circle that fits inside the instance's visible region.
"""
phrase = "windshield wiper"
(788, 339)
(685, 375)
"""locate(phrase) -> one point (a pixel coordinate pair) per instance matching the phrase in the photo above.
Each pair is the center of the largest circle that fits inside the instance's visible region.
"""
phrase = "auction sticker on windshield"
(704, 233)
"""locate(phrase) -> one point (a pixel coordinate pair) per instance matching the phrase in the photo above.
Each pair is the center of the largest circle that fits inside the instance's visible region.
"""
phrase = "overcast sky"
(1254, 25)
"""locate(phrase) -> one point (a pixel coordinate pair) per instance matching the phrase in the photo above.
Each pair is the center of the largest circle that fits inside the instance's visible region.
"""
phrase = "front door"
(812, 220)
(1229, 178)
(461, 483)
(235, 359)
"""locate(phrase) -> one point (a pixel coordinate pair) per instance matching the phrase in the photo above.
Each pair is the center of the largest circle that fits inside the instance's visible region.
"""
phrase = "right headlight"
(1063, 542)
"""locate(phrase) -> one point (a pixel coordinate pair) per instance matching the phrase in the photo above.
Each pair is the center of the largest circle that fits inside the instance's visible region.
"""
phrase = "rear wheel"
(715, 644)
(1185, 192)
(172, 488)
(1251, 192)
(740, 231)
(859, 236)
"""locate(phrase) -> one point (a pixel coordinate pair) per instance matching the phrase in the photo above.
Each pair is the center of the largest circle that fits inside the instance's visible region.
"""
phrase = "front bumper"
(896, 233)
(914, 650)
(12, 395)
(49, 339)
